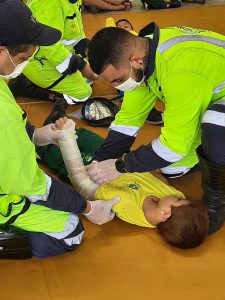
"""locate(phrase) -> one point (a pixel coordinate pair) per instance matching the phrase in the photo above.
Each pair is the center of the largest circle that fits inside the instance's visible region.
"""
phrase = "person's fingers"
(65, 119)
(116, 7)
(53, 126)
(90, 167)
(114, 201)
(59, 123)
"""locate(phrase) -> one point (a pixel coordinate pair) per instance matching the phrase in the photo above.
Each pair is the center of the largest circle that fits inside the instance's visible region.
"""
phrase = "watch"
(120, 165)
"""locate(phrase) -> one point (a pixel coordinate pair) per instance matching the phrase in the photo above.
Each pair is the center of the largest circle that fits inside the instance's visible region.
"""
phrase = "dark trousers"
(43, 245)
(213, 133)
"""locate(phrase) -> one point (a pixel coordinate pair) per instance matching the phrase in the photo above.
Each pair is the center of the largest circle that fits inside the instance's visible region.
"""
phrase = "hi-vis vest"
(65, 16)
(20, 172)
(188, 74)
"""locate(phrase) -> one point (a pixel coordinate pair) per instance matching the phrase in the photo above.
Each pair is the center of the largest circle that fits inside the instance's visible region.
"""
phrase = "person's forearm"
(30, 130)
(114, 146)
(64, 198)
(144, 159)
(88, 208)
(74, 163)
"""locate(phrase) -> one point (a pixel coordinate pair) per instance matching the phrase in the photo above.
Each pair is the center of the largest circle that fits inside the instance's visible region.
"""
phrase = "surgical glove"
(102, 172)
(101, 211)
(47, 134)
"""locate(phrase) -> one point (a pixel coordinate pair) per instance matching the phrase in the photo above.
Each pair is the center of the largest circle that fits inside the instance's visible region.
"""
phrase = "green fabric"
(22, 176)
(186, 76)
(36, 219)
(88, 142)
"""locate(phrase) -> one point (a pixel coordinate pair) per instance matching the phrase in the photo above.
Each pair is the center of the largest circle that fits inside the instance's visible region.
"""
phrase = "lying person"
(146, 201)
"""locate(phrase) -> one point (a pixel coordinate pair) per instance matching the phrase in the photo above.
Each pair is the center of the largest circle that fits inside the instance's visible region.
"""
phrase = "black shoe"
(213, 185)
(174, 4)
(58, 111)
(14, 244)
(155, 117)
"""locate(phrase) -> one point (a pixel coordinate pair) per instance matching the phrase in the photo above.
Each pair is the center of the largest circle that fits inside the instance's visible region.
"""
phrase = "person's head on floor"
(119, 56)
(20, 34)
(182, 223)
(124, 24)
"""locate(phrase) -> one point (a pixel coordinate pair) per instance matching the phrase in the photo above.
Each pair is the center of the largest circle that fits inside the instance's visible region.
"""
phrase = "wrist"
(120, 165)
(88, 208)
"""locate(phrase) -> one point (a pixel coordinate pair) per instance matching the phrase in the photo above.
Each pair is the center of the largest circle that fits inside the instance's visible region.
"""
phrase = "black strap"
(56, 82)
(153, 44)
(13, 218)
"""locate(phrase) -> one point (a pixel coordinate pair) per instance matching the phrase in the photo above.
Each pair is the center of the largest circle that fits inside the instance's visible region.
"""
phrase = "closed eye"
(119, 80)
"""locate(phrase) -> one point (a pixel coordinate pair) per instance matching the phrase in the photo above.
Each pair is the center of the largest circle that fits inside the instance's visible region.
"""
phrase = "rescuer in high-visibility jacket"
(182, 66)
(61, 67)
(31, 200)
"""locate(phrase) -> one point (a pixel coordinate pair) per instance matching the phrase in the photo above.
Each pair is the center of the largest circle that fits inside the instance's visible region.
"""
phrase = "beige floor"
(118, 260)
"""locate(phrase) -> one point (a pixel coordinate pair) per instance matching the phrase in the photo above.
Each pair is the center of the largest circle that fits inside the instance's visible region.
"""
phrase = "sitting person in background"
(95, 5)
(146, 200)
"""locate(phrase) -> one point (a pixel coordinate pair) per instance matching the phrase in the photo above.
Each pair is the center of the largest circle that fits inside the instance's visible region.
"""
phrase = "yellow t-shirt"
(111, 23)
(133, 188)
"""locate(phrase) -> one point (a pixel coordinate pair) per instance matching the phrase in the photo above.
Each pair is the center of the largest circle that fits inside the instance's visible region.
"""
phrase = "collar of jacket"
(153, 44)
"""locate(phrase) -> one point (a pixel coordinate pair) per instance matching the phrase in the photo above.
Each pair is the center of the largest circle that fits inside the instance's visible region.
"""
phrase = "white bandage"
(74, 163)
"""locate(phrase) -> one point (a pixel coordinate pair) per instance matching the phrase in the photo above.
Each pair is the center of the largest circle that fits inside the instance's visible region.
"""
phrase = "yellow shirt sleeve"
(110, 22)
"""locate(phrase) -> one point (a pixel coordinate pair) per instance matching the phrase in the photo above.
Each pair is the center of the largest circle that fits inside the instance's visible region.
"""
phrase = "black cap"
(18, 26)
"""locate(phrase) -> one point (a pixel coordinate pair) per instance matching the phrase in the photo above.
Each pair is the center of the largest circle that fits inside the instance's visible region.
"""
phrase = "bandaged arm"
(74, 163)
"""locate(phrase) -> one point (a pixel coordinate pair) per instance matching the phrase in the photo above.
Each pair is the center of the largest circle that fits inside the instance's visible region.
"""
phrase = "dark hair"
(187, 227)
(125, 20)
(108, 46)
(13, 50)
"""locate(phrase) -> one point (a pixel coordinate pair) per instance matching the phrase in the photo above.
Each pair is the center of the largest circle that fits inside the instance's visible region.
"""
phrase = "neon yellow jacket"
(66, 17)
(188, 76)
(20, 172)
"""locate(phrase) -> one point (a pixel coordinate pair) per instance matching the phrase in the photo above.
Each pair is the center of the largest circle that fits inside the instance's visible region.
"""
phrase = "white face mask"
(130, 84)
(17, 71)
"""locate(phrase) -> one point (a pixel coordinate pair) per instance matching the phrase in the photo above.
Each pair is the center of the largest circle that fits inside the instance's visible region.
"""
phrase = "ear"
(136, 61)
(165, 215)
(2, 48)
